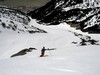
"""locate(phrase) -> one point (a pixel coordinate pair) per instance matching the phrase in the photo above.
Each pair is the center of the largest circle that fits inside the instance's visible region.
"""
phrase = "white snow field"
(66, 59)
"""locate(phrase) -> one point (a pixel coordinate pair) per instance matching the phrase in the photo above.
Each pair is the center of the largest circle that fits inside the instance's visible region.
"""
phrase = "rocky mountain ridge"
(15, 20)
(85, 13)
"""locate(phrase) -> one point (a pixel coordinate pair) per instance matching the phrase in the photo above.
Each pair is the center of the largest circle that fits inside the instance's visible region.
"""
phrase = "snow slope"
(66, 59)
(17, 21)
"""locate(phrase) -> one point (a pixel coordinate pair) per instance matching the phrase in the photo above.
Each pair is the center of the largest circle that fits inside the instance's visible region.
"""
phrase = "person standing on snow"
(42, 52)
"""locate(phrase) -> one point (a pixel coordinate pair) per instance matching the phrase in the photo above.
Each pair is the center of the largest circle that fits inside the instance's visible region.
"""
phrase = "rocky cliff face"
(83, 12)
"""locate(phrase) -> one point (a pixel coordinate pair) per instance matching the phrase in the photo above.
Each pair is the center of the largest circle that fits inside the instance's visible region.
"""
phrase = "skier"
(42, 52)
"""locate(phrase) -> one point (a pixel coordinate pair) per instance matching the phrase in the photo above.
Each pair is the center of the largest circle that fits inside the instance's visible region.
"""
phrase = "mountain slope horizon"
(81, 12)
(12, 20)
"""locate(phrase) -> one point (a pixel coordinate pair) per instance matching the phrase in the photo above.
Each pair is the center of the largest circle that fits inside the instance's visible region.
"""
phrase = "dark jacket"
(43, 49)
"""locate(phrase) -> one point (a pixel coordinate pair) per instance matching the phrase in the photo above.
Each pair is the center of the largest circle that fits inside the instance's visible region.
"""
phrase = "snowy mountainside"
(74, 54)
(15, 20)
(74, 11)
(85, 4)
